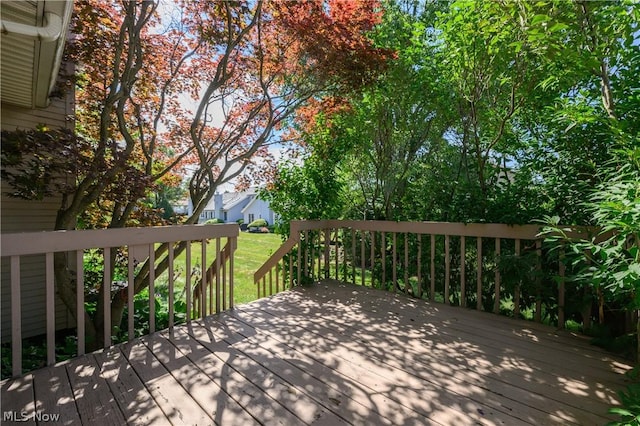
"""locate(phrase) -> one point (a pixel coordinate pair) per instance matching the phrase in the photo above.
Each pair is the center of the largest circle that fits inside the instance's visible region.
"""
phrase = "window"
(225, 216)
(251, 216)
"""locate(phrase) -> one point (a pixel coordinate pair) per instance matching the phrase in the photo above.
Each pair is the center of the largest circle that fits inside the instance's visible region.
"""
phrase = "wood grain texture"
(335, 353)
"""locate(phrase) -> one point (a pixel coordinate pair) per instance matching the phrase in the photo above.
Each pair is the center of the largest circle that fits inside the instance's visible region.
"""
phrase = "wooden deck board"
(17, 395)
(538, 407)
(94, 399)
(135, 401)
(333, 354)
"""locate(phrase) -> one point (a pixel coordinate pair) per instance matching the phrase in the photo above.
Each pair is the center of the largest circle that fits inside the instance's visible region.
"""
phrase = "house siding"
(260, 210)
(19, 215)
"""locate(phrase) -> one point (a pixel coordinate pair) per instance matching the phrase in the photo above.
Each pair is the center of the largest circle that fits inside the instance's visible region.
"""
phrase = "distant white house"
(258, 209)
(233, 206)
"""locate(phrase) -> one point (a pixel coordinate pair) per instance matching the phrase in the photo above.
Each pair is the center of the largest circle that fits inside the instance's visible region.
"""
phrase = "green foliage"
(258, 223)
(610, 260)
(629, 411)
(214, 221)
(312, 190)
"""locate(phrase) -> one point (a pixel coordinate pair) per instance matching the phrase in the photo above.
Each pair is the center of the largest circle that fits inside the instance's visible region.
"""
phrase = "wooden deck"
(333, 354)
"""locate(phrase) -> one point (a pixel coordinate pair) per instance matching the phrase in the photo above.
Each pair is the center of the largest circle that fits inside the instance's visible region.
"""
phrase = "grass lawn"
(253, 250)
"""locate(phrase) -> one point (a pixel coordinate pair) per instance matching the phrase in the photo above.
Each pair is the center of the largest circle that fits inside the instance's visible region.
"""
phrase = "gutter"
(49, 33)
(49, 45)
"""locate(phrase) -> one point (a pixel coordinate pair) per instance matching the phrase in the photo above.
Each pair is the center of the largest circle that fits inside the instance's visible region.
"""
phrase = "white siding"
(260, 210)
(25, 216)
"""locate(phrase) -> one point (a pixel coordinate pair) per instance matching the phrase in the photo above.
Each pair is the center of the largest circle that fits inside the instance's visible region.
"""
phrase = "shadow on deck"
(332, 354)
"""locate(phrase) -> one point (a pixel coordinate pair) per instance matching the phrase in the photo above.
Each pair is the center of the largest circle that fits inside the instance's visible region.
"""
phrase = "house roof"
(33, 37)
(241, 196)
(231, 199)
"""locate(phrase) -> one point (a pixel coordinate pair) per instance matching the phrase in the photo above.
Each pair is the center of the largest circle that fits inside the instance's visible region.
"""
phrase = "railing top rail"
(489, 230)
(22, 244)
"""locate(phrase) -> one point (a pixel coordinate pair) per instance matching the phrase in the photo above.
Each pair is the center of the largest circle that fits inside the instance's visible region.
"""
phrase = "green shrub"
(213, 221)
(258, 223)
(240, 221)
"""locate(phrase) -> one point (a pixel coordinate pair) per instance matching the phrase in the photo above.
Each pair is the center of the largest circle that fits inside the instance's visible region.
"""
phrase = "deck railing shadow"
(390, 338)
(498, 268)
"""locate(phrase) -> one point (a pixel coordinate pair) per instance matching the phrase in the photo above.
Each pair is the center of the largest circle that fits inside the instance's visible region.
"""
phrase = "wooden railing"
(152, 246)
(455, 263)
(218, 272)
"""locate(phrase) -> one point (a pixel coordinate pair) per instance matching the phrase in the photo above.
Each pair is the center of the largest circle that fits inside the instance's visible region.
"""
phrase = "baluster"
(306, 253)
(383, 242)
(362, 258)
(171, 296)
(271, 281)
(152, 295)
(432, 296)
(130, 292)
(447, 271)
(218, 267)
(353, 255)
(187, 280)
(336, 247)
(406, 264)
(394, 266)
(419, 266)
(463, 272)
(479, 274)
(50, 308)
(80, 300)
(203, 283)
(16, 318)
(372, 254)
(496, 300)
(516, 292)
(561, 289)
(106, 298)
(538, 313)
